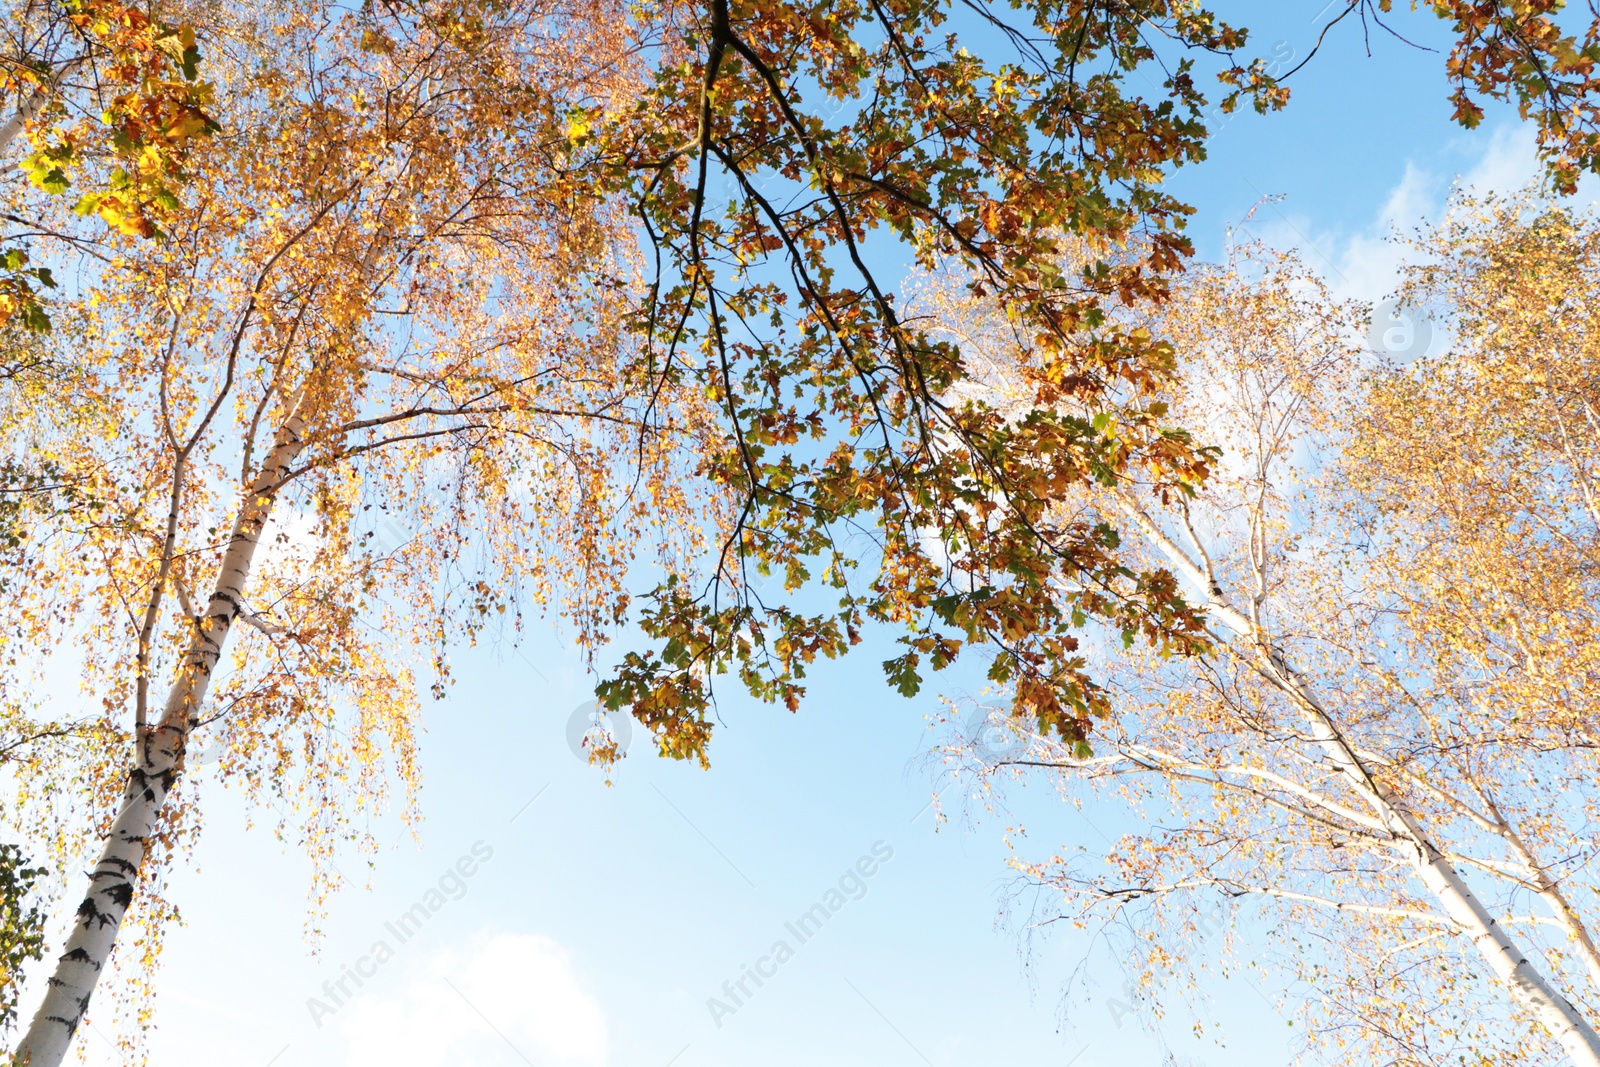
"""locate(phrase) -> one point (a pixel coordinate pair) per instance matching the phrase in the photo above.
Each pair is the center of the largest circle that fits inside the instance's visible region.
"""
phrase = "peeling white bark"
(1525, 982)
(159, 760)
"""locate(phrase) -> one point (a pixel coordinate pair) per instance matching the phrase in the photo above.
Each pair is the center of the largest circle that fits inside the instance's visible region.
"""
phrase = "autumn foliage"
(391, 323)
(1377, 784)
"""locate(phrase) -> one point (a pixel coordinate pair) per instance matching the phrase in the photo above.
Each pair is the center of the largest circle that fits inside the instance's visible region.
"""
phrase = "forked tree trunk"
(158, 762)
(1521, 977)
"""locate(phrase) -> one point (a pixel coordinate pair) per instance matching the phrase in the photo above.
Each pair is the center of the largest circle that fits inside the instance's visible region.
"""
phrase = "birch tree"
(406, 240)
(1389, 748)
(379, 301)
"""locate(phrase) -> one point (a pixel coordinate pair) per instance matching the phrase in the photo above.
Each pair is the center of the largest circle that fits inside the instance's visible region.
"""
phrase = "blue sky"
(598, 921)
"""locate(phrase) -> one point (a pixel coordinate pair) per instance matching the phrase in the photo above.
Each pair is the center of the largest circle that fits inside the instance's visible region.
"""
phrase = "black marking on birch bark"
(80, 955)
(120, 894)
(88, 910)
(149, 780)
(128, 869)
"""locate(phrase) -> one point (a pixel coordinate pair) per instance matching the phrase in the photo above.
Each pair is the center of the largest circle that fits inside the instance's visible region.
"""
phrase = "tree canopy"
(1386, 757)
(585, 291)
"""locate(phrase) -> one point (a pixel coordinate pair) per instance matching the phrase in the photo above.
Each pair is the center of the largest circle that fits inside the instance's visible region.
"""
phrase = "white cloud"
(289, 538)
(465, 1005)
(1365, 263)
(1508, 164)
(1412, 198)
(1369, 263)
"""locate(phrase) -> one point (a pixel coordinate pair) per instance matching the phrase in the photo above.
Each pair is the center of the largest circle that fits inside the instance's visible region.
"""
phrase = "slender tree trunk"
(1527, 985)
(158, 761)
(1550, 890)
(33, 102)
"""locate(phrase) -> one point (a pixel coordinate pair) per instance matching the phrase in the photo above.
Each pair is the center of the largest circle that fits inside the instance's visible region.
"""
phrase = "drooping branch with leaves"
(790, 160)
(785, 152)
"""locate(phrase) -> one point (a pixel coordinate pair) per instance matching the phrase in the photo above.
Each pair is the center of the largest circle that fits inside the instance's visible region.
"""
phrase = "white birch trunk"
(33, 102)
(1527, 985)
(159, 760)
